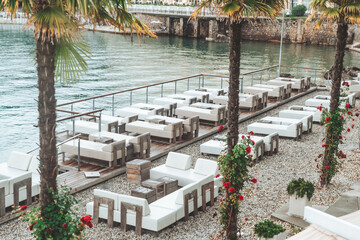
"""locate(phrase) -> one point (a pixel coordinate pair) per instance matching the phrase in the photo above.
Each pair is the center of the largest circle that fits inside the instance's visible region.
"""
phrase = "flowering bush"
(57, 220)
(234, 169)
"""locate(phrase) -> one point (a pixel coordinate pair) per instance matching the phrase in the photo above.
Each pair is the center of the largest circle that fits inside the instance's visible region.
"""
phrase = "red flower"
(31, 227)
(248, 149)
(217, 175)
(350, 113)
(85, 219)
(323, 139)
(327, 167)
(251, 133)
(340, 137)
(320, 155)
(221, 200)
(214, 214)
(246, 219)
(231, 190)
(347, 106)
(221, 128)
(341, 152)
(341, 118)
(353, 119)
(328, 119)
(253, 180)
(324, 145)
(357, 114)
(48, 230)
(242, 137)
(89, 224)
(317, 165)
(24, 207)
(343, 156)
(352, 125)
(227, 185)
(250, 155)
(320, 108)
(348, 129)
(64, 226)
(241, 197)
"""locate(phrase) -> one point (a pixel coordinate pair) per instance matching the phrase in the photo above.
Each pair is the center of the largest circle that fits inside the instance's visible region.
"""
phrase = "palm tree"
(236, 11)
(341, 12)
(59, 53)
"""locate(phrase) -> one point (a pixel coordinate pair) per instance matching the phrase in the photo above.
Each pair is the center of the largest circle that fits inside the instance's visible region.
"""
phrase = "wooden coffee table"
(157, 185)
(105, 140)
(143, 192)
(171, 184)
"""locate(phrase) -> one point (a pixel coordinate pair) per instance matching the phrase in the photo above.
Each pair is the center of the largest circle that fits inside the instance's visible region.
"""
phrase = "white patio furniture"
(316, 112)
(246, 101)
(284, 129)
(299, 115)
(200, 95)
(355, 89)
(139, 145)
(105, 152)
(185, 99)
(306, 121)
(169, 131)
(87, 127)
(213, 92)
(19, 180)
(207, 112)
(107, 119)
(277, 92)
(287, 87)
(261, 93)
(141, 109)
(299, 84)
(324, 101)
(169, 104)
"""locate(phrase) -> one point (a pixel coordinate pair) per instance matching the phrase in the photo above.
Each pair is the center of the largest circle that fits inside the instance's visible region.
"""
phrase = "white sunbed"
(287, 87)
(277, 92)
(261, 93)
(105, 152)
(213, 92)
(299, 84)
(200, 95)
(21, 168)
(324, 101)
(218, 146)
(87, 127)
(107, 119)
(284, 129)
(142, 112)
(247, 101)
(169, 104)
(169, 131)
(140, 145)
(306, 121)
(208, 112)
(314, 110)
(186, 99)
(299, 115)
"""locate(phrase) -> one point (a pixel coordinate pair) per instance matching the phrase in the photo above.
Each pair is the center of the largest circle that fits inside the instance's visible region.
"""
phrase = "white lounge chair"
(218, 146)
(21, 170)
(87, 127)
(142, 110)
(324, 101)
(185, 99)
(284, 129)
(314, 110)
(169, 131)
(246, 101)
(209, 112)
(136, 146)
(299, 115)
(306, 121)
(96, 150)
(287, 87)
(110, 120)
(200, 95)
(261, 93)
(277, 92)
(213, 92)
(298, 84)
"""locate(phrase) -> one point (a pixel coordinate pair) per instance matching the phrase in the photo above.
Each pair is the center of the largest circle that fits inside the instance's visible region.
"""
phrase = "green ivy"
(301, 187)
(268, 229)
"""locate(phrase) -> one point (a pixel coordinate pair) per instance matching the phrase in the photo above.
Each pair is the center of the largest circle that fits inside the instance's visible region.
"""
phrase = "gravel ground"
(295, 159)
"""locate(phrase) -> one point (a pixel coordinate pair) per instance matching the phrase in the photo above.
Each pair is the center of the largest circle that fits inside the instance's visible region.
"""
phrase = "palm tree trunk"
(337, 68)
(45, 55)
(233, 107)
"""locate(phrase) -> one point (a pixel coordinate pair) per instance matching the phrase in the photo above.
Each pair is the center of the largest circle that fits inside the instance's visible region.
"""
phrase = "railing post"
(100, 122)
(175, 86)
(147, 94)
(79, 154)
(252, 79)
(188, 84)
(261, 77)
(297, 72)
(113, 105)
(73, 120)
(242, 84)
(130, 98)
(199, 82)
(94, 104)
(203, 81)
(315, 77)
(221, 83)
(162, 90)
(268, 74)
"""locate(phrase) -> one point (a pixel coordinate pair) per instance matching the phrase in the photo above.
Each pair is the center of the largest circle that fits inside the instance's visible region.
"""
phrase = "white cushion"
(34, 165)
(108, 194)
(135, 200)
(178, 161)
(5, 183)
(185, 190)
(206, 167)
(16, 179)
(181, 175)
(19, 160)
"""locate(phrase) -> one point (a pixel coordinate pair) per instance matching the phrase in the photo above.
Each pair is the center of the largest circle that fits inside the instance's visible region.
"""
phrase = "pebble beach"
(295, 159)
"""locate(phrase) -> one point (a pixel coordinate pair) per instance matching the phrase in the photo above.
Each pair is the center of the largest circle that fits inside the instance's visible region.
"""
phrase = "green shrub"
(301, 187)
(298, 10)
(268, 229)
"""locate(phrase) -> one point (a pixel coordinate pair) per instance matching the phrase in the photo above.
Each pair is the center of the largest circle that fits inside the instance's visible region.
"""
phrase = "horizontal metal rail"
(57, 145)
(308, 68)
(79, 115)
(260, 70)
(71, 112)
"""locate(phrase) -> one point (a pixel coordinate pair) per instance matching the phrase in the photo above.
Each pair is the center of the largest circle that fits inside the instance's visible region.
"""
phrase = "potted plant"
(297, 189)
(270, 230)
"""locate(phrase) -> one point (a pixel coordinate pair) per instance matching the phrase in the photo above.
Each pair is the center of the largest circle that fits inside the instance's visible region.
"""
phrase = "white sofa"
(324, 101)
(87, 127)
(275, 91)
(142, 112)
(284, 129)
(262, 94)
(299, 84)
(184, 99)
(287, 87)
(169, 131)
(218, 146)
(96, 150)
(140, 144)
(207, 112)
(213, 92)
(316, 112)
(20, 166)
(246, 101)
(299, 115)
(110, 120)
(305, 119)
(200, 95)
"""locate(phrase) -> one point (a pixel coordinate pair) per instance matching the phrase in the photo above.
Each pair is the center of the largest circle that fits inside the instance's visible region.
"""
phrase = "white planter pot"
(280, 236)
(297, 205)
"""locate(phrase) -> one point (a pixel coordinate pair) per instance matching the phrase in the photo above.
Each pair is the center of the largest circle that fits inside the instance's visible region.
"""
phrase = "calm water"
(116, 64)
